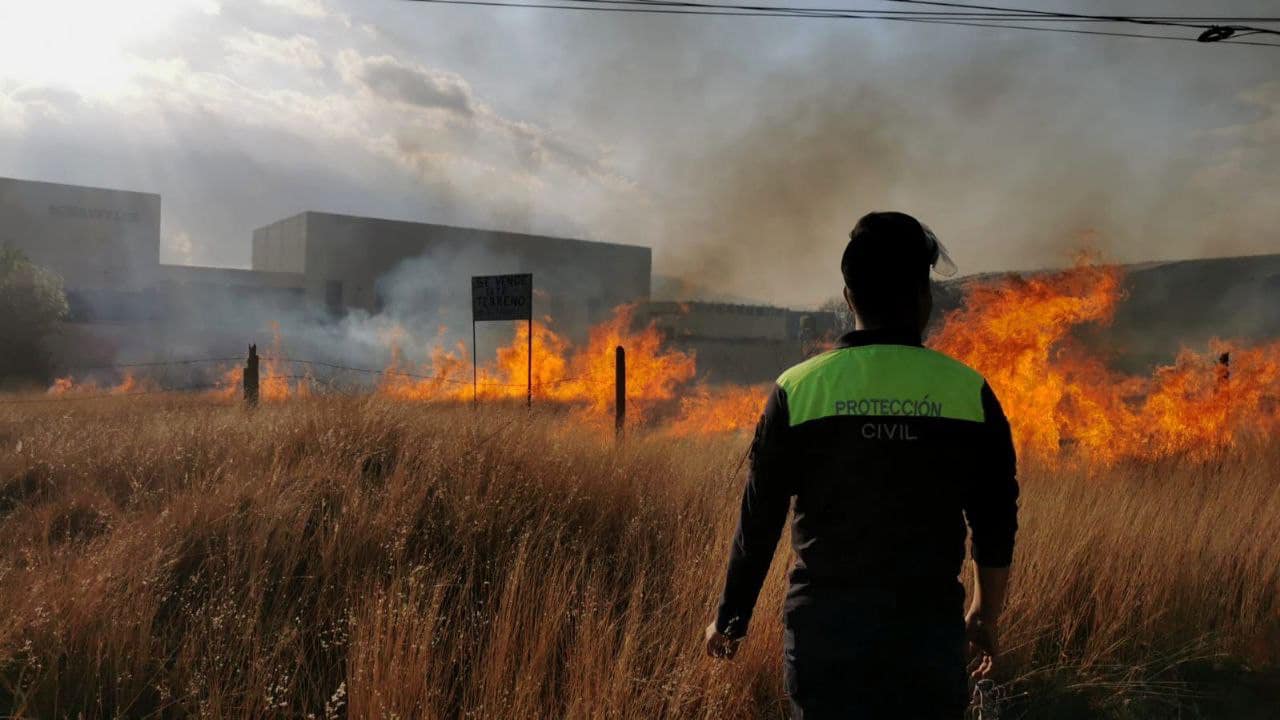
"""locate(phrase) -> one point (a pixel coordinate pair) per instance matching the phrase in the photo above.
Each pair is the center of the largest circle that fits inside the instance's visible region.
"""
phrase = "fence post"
(619, 390)
(251, 378)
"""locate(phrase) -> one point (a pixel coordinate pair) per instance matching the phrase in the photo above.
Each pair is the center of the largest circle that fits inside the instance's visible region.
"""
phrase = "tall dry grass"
(367, 558)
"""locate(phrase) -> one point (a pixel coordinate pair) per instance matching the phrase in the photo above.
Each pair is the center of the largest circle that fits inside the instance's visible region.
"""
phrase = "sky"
(740, 150)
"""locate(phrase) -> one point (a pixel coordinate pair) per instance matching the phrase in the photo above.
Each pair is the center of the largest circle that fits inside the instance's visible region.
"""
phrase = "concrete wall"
(348, 259)
(746, 362)
(96, 239)
(740, 343)
(231, 278)
(224, 296)
(719, 321)
(281, 246)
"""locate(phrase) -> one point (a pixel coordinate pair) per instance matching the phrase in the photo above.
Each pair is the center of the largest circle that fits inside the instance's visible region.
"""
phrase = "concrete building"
(741, 343)
(100, 241)
(188, 291)
(105, 245)
(348, 262)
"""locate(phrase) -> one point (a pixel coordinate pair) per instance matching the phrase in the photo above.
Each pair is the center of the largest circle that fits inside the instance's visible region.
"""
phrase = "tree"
(947, 296)
(31, 304)
(840, 309)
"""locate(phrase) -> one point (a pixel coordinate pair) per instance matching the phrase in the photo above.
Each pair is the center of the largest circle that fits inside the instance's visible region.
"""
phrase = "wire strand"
(70, 397)
(1060, 14)
(319, 363)
(157, 363)
(668, 7)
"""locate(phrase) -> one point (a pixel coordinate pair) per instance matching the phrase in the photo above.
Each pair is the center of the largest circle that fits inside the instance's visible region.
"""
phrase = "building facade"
(360, 263)
(741, 343)
(98, 240)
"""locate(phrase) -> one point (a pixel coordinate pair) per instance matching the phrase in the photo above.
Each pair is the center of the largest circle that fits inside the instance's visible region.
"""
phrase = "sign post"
(619, 390)
(501, 297)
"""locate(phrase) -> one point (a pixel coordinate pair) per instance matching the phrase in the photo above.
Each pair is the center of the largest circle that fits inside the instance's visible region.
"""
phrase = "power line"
(980, 12)
(1073, 31)
(69, 397)
(967, 19)
(669, 7)
(299, 361)
(437, 378)
(1026, 15)
(1168, 21)
(157, 363)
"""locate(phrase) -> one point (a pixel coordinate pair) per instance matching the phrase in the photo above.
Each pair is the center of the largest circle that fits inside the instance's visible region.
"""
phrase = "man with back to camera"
(888, 448)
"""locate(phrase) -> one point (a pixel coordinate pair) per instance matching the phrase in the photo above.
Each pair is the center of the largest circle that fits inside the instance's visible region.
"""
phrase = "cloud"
(26, 105)
(434, 119)
(1263, 101)
(740, 149)
(303, 8)
(1236, 180)
(178, 248)
(399, 82)
(296, 51)
(12, 114)
(241, 124)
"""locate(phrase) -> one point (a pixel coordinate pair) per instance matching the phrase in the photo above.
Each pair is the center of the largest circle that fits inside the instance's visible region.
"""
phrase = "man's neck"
(860, 325)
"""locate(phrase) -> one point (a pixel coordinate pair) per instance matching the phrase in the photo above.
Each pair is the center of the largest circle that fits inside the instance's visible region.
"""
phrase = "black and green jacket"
(887, 448)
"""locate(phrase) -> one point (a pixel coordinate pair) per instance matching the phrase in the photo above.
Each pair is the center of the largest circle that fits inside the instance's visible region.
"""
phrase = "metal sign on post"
(501, 297)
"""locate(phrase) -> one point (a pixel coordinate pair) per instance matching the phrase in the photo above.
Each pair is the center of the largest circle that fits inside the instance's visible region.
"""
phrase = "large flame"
(656, 374)
(718, 409)
(274, 383)
(1017, 333)
(129, 384)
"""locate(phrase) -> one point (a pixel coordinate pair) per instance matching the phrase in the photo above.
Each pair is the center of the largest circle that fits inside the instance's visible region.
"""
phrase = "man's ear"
(848, 299)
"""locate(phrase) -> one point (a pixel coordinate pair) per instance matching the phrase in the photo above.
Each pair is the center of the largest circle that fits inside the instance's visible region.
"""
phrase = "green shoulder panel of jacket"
(883, 380)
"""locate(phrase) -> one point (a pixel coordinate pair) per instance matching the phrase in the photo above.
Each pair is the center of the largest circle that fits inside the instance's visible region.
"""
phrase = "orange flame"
(719, 409)
(273, 382)
(129, 384)
(561, 373)
(1016, 332)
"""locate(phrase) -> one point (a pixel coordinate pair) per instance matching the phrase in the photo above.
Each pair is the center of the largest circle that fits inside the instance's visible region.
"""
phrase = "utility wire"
(67, 397)
(979, 13)
(157, 363)
(667, 7)
(300, 361)
(1072, 31)
(942, 18)
(1028, 15)
(436, 378)
(1167, 21)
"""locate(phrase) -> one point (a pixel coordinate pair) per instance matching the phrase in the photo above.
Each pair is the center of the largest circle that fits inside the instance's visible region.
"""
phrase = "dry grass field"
(333, 557)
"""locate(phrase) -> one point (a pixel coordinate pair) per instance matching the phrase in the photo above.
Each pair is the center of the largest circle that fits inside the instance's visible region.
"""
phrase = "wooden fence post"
(251, 378)
(619, 390)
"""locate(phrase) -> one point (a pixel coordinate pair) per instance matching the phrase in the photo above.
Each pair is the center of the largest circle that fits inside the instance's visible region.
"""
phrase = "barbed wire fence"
(331, 384)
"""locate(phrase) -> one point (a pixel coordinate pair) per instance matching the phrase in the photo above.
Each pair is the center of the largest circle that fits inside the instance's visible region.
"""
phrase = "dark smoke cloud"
(396, 81)
(742, 150)
(1018, 148)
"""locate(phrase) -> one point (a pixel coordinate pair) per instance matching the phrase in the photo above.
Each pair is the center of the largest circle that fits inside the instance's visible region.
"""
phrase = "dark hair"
(885, 265)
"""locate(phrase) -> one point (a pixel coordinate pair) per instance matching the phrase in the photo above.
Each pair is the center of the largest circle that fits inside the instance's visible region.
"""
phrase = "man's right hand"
(719, 645)
(984, 645)
(989, 588)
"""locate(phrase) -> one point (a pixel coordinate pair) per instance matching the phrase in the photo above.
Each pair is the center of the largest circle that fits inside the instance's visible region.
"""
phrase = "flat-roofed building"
(741, 343)
(352, 262)
(99, 240)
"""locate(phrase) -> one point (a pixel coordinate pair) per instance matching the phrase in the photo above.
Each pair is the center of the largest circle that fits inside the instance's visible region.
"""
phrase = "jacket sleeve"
(991, 502)
(765, 503)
